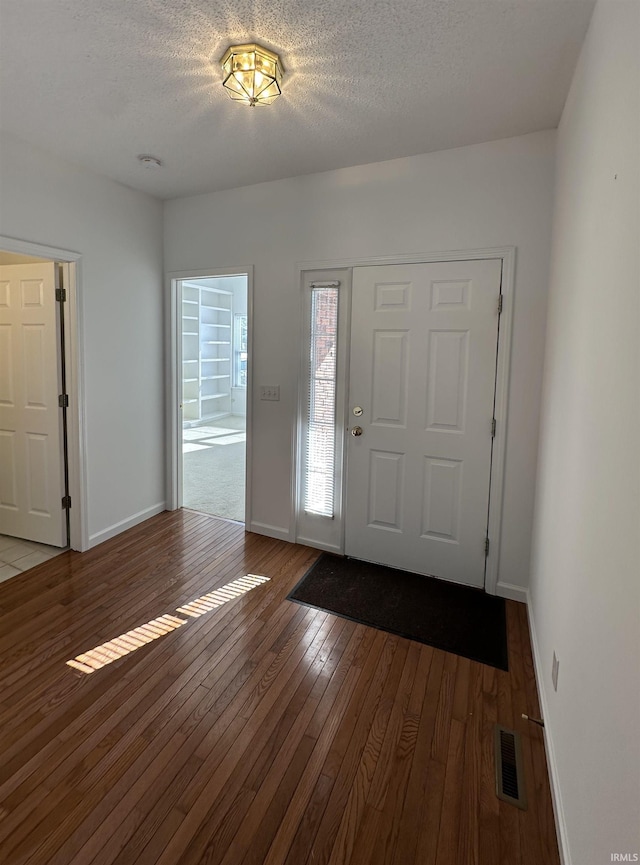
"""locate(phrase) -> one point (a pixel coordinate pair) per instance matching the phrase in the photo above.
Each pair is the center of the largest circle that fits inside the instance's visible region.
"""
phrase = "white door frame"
(507, 254)
(74, 364)
(173, 338)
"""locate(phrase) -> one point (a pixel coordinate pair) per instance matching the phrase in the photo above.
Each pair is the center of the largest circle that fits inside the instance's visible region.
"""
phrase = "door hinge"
(499, 304)
(61, 294)
(66, 502)
(493, 428)
(63, 400)
(486, 546)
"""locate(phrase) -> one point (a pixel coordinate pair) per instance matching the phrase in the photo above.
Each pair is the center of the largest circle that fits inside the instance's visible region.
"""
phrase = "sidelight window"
(319, 480)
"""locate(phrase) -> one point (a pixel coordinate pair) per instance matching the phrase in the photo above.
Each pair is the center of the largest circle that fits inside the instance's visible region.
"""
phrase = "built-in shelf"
(206, 312)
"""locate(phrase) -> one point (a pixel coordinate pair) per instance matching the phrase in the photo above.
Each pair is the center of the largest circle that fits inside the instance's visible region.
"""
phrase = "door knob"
(356, 431)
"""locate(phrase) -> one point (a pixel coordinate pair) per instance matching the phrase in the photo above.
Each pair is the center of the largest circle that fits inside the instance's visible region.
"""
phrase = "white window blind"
(319, 493)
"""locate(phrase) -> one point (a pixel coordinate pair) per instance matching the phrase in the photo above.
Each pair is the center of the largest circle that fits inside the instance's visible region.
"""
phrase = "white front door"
(31, 452)
(422, 370)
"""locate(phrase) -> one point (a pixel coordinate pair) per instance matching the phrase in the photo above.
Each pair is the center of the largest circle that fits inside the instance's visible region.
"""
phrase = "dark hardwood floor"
(258, 733)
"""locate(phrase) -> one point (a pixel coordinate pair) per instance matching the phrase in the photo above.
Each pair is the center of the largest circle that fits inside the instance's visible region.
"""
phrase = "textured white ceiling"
(100, 81)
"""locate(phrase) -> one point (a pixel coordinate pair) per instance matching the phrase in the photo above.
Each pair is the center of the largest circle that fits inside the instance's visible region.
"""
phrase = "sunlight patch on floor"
(123, 645)
(220, 596)
(95, 659)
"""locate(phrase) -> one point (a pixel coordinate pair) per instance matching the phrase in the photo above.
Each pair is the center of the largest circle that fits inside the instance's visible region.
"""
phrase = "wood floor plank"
(469, 824)
(156, 768)
(376, 831)
(368, 782)
(413, 805)
(489, 810)
(509, 823)
(260, 733)
(200, 650)
(431, 770)
(15, 709)
(282, 731)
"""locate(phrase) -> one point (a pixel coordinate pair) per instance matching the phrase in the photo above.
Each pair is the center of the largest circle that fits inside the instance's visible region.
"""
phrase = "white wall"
(119, 233)
(489, 195)
(585, 582)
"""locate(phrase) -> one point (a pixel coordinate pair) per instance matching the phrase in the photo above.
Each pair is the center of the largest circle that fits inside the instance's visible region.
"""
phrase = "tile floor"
(17, 555)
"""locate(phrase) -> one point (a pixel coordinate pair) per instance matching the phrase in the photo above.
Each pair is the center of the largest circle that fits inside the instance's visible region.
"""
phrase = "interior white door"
(31, 440)
(422, 372)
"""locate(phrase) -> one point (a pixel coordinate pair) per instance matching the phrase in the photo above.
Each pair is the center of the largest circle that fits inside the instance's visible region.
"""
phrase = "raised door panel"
(386, 483)
(441, 499)
(389, 378)
(8, 461)
(36, 368)
(7, 383)
(446, 377)
(37, 465)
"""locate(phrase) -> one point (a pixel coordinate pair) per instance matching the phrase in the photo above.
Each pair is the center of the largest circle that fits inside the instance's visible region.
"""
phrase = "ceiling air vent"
(509, 771)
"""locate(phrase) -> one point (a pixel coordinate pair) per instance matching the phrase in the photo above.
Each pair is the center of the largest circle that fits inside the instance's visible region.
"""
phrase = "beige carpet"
(214, 468)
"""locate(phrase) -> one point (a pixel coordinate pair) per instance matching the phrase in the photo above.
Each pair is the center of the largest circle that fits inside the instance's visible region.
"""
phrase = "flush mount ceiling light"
(252, 74)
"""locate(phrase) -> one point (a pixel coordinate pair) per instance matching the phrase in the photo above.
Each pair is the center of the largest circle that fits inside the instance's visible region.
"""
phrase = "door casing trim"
(74, 361)
(507, 255)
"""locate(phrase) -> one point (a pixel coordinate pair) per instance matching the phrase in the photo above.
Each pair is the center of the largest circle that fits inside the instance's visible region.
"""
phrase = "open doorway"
(214, 363)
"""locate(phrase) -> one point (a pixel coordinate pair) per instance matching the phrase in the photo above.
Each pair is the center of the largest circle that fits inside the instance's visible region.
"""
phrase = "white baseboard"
(558, 810)
(123, 525)
(270, 531)
(512, 592)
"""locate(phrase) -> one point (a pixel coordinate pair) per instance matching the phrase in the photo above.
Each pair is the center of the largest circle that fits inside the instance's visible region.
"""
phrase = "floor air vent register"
(510, 786)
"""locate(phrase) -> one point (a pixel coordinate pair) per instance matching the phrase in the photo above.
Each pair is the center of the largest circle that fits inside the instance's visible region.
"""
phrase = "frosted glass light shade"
(251, 74)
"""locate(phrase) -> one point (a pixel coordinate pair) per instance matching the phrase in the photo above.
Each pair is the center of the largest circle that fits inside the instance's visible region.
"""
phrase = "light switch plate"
(270, 392)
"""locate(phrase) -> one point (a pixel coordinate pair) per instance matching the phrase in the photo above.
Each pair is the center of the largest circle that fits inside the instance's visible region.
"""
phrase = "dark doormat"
(454, 618)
